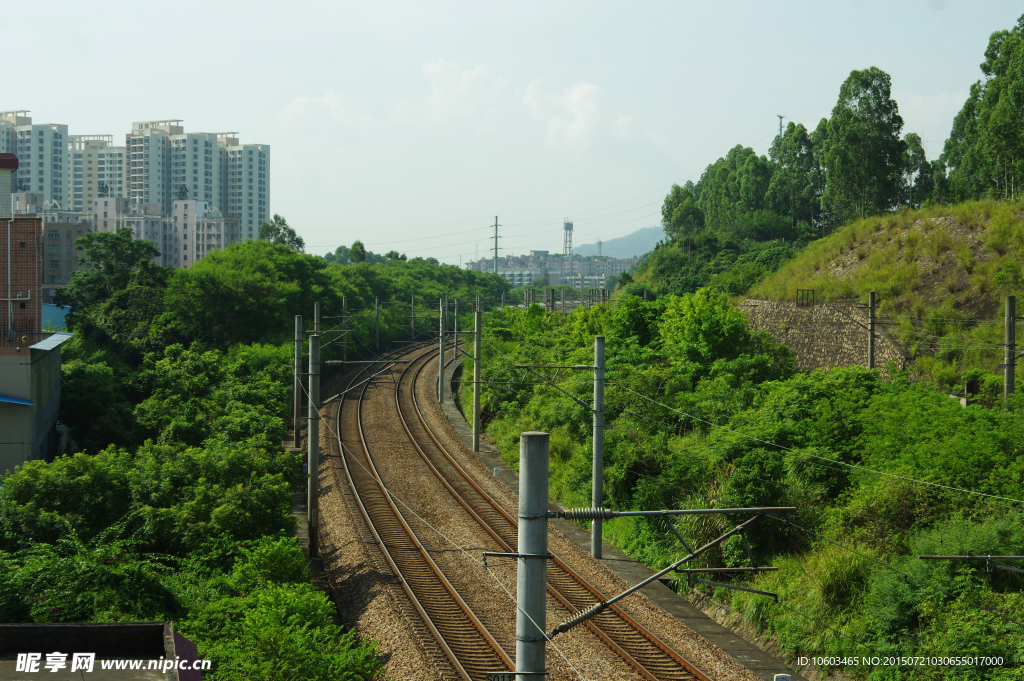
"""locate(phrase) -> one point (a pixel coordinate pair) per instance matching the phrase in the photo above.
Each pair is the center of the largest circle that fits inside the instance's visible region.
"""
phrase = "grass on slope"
(939, 274)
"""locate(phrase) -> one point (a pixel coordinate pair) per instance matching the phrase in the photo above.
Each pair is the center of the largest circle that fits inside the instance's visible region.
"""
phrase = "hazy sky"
(410, 125)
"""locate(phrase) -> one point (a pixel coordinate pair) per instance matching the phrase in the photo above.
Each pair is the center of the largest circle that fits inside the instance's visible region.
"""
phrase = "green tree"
(792, 190)
(249, 292)
(394, 255)
(918, 174)
(681, 216)
(113, 262)
(358, 252)
(985, 150)
(277, 231)
(863, 150)
(339, 257)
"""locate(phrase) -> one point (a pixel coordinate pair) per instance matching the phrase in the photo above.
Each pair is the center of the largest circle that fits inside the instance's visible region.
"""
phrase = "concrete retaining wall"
(825, 335)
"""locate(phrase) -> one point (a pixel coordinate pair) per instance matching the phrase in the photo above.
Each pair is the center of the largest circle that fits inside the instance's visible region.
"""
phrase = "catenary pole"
(412, 317)
(478, 327)
(344, 329)
(531, 576)
(597, 491)
(1009, 378)
(871, 330)
(455, 334)
(440, 357)
(314, 440)
(376, 313)
(297, 383)
(316, 318)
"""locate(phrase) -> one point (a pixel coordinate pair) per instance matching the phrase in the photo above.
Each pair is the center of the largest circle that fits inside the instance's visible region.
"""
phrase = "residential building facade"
(200, 229)
(146, 222)
(558, 269)
(247, 186)
(99, 170)
(60, 256)
(44, 157)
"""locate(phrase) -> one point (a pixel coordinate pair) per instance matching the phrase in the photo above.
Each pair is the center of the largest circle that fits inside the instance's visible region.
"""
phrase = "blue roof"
(15, 400)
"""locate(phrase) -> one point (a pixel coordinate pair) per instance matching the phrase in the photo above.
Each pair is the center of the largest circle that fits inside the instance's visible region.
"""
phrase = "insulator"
(579, 618)
(588, 514)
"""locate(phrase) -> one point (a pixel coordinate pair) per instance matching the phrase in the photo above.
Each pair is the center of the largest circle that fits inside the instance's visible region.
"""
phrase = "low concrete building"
(30, 399)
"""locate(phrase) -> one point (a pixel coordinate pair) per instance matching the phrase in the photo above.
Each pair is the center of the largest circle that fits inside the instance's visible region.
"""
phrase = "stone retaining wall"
(825, 335)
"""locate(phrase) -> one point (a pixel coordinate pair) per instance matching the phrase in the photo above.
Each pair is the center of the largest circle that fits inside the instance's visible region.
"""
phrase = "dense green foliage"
(940, 275)
(278, 231)
(704, 413)
(855, 164)
(176, 387)
(985, 150)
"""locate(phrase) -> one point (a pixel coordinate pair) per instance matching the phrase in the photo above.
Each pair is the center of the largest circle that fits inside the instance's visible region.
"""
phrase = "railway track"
(465, 641)
(468, 645)
(638, 647)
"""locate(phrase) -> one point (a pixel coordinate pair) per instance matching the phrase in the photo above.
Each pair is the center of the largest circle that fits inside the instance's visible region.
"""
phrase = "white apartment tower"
(148, 157)
(44, 157)
(166, 164)
(100, 170)
(247, 189)
(195, 167)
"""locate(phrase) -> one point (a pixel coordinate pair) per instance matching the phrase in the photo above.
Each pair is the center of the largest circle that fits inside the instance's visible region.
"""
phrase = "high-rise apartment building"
(166, 164)
(44, 157)
(148, 157)
(196, 167)
(247, 186)
(100, 170)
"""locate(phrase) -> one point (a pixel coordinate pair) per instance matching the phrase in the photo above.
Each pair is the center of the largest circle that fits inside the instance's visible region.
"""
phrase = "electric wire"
(394, 496)
(795, 451)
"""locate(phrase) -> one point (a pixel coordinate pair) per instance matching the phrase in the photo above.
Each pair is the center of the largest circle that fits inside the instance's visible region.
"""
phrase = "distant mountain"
(637, 243)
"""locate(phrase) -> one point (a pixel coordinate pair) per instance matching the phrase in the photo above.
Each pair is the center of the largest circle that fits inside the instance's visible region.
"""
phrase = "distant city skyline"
(410, 125)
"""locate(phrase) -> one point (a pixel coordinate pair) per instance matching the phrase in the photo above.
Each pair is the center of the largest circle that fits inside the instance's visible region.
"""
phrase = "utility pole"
(1011, 347)
(502, 300)
(297, 384)
(478, 327)
(871, 330)
(597, 491)
(314, 441)
(376, 308)
(440, 357)
(495, 244)
(531, 575)
(563, 302)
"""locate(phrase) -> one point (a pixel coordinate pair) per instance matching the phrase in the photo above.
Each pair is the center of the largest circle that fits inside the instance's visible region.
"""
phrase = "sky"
(411, 125)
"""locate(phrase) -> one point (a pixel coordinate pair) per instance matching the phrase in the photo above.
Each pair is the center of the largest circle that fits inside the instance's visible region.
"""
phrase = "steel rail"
(637, 646)
(471, 649)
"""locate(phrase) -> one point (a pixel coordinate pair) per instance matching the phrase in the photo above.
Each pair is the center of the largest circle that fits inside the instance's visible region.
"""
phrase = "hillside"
(635, 244)
(940, 275)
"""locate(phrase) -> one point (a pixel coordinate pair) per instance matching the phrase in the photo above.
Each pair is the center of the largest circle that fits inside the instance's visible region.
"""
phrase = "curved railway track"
(466, 642)
(472, 650)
